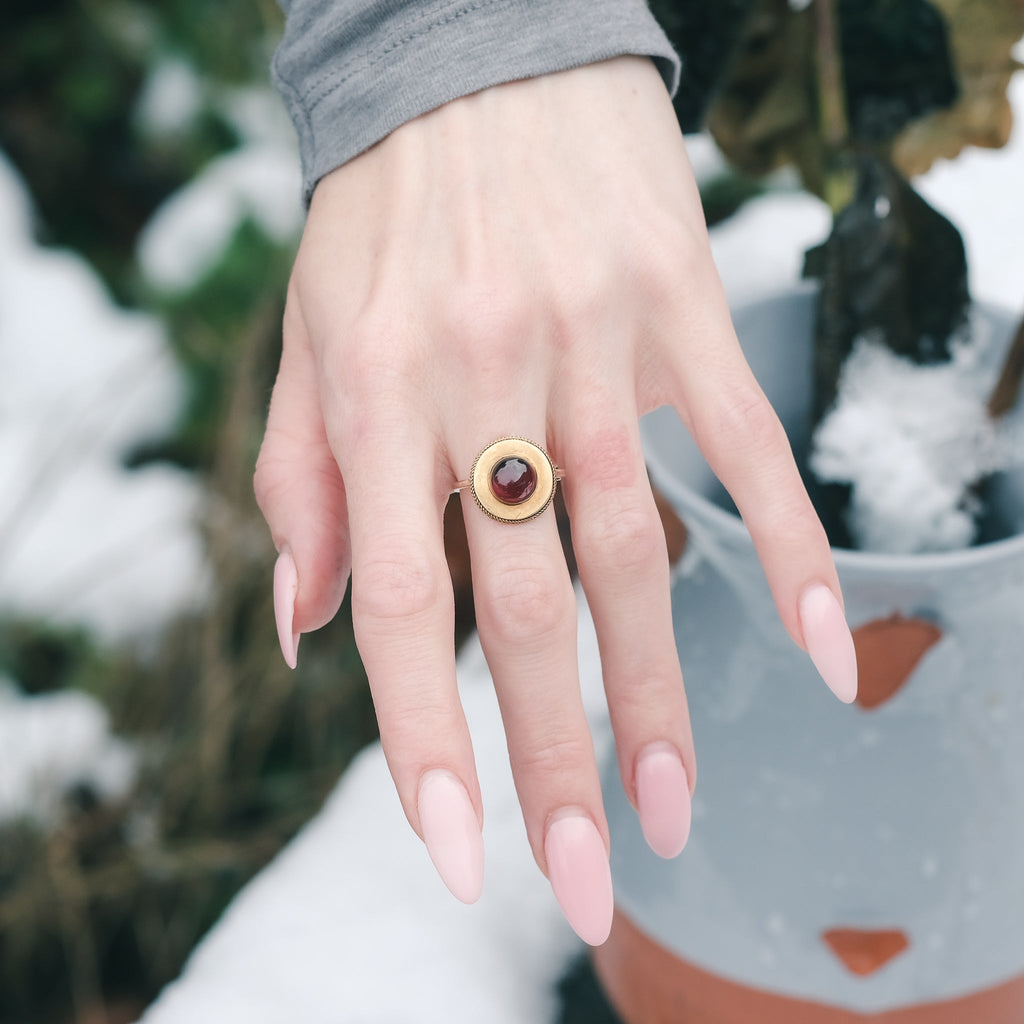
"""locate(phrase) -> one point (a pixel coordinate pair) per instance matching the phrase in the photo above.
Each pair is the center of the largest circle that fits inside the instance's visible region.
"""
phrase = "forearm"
(351, 71)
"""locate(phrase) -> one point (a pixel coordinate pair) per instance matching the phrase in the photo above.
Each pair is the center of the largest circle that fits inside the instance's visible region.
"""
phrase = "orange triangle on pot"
(863, 951)
(888, 651)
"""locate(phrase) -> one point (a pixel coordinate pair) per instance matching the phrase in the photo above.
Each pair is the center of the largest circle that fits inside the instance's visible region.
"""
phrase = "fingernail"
(663, 799)
(286, 586)
(580, 875)
(828, 641)
(451, 832)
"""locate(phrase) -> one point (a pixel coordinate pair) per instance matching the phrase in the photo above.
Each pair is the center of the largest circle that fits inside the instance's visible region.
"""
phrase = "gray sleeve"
(351, 71)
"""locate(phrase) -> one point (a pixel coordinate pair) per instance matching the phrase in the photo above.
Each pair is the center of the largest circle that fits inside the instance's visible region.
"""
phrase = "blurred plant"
(237, 751)
(71, 77)
(108, 107)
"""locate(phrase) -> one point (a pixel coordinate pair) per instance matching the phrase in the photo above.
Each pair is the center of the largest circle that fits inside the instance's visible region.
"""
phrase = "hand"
(529, 260)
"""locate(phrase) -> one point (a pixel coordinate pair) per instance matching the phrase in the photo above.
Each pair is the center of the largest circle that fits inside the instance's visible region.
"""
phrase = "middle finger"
(526, 616)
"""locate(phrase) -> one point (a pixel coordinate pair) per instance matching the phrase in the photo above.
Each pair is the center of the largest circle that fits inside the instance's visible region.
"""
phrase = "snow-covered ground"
(350, 924)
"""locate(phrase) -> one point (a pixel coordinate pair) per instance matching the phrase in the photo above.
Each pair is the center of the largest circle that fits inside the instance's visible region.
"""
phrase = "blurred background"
(154, 750)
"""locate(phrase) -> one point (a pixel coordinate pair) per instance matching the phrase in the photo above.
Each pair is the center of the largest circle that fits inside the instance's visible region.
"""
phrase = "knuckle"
(792, 516)
(370, 353)
(414, 722)
(743, 420)
(655, 681)
(265, 484)
(485, 315)
(669, 261)
(552, 756)
(630, 538)
(579, 303)
(486, 343)
(607, 458)
(390, 589)
(525, 604)
(273, 473)
(379, 344)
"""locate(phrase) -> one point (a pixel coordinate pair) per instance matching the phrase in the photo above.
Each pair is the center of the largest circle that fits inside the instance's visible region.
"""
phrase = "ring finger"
(623, 562)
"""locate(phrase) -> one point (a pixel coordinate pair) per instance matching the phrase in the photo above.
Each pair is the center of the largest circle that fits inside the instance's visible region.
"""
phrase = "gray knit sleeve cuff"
(351, 71)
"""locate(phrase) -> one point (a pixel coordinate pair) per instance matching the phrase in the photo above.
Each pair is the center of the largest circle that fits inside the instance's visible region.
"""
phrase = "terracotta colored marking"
(863, 951)
(888, 651)
(649, 985)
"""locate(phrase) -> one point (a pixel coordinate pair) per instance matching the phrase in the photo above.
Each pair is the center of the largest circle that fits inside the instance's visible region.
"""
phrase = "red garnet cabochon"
(513, 480)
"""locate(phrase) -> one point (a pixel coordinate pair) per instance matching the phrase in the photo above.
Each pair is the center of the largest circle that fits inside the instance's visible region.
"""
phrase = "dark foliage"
(723, 195)
(894, 268)
(66, 93)
(897, 64)
(70, 78)
(704, 35)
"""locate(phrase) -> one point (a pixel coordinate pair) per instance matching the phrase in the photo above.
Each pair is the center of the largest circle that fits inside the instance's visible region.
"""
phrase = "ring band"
(513, 480)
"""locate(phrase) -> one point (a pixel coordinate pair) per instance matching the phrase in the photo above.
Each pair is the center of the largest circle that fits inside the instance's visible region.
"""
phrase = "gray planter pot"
(814, 820)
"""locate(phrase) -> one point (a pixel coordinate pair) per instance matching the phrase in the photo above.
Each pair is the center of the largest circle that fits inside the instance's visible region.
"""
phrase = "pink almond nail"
(286, 586)
(828, 641)
(663, 799)
(451, 832)
(580, 876)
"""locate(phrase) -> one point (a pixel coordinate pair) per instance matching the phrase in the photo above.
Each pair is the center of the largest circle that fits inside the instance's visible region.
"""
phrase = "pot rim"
(731, 525)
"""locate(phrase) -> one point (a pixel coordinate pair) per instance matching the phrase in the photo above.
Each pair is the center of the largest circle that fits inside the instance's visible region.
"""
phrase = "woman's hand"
(531, 260)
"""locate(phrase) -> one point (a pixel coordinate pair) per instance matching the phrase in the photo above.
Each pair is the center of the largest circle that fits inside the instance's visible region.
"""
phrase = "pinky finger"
(300, 491)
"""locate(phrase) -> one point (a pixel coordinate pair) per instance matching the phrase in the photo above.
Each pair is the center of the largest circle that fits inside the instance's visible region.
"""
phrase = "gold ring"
(512, 480)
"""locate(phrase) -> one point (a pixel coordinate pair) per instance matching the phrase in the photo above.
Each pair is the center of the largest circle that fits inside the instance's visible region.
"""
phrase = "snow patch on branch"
(55, 744)
(187, 236)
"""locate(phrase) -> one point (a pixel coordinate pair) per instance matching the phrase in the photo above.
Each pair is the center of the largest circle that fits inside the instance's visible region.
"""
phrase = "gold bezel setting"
(513, 448)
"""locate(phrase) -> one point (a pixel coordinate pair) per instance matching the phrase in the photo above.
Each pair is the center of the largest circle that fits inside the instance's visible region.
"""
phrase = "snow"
(171, 97)
(53, 745)
(83, 541)
(261, 181)
(352, 924)
(258, 117)
(761, 249)
(706, 159)
(189, 233)
(912, 440)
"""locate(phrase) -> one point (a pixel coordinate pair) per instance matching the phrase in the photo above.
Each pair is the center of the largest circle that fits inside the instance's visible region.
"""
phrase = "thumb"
(301, 494)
